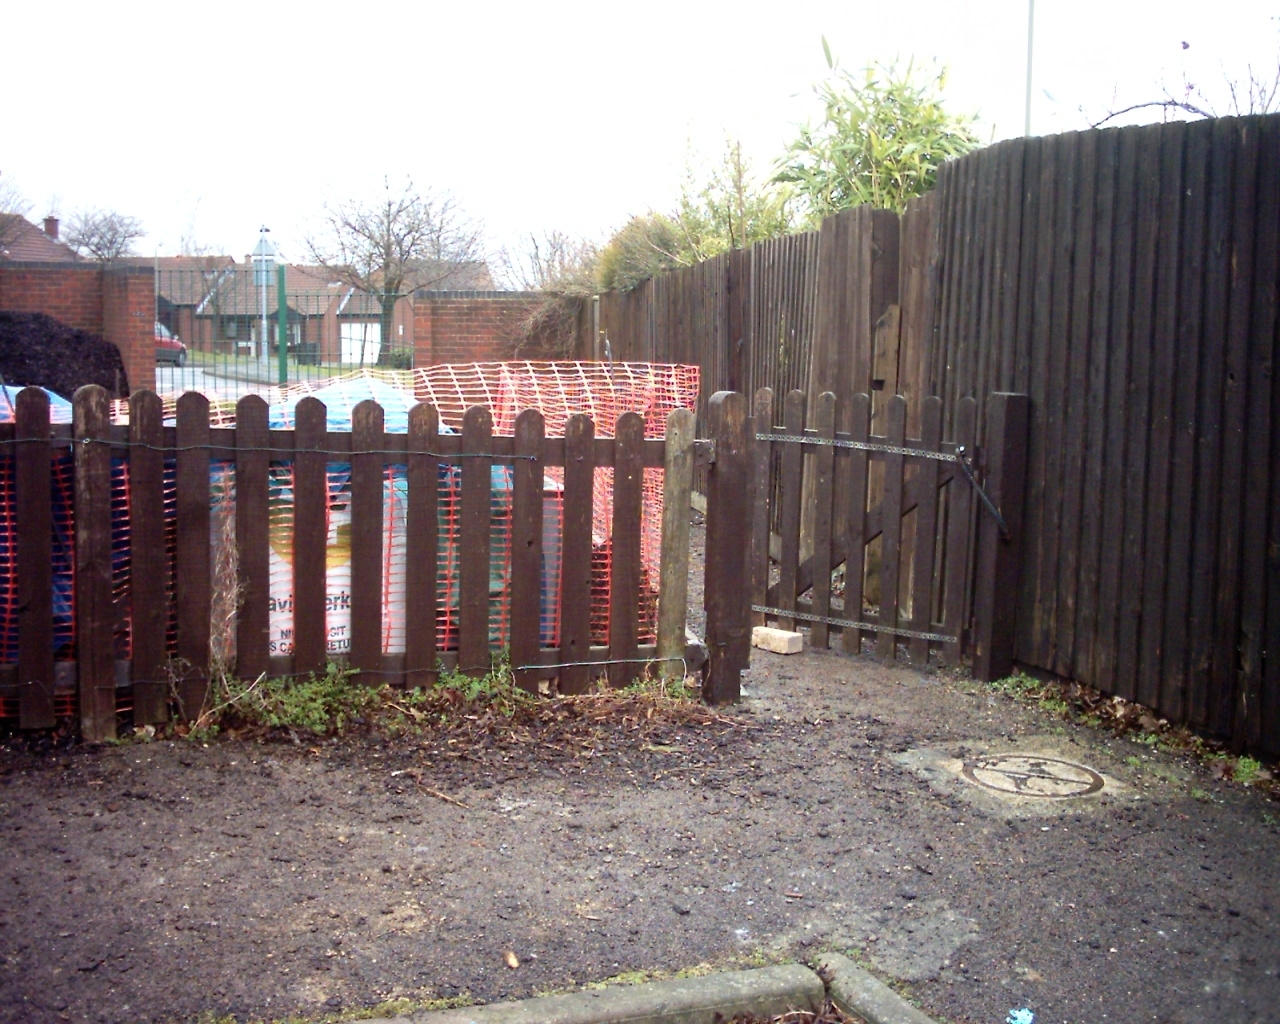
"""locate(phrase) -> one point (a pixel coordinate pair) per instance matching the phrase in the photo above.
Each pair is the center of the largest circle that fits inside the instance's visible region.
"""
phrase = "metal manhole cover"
(1029, 775)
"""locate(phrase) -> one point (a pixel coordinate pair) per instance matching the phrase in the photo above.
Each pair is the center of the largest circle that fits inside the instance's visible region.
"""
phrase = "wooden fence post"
(996, 579)
(673, 589)
(95, 617)
(727, 595)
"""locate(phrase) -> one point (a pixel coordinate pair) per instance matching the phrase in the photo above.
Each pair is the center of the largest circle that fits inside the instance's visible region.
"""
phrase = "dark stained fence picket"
(149, 568)
(253, 522)
(367, 528)
(32, 472)
(310, 534)
(194, 575)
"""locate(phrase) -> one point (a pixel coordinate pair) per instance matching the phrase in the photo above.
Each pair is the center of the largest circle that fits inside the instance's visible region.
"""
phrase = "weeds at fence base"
(337, 704)
(1092, 708)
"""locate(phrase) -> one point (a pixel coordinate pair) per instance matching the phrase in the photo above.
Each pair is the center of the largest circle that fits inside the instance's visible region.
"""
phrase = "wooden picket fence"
(944, 585)
(161, 680)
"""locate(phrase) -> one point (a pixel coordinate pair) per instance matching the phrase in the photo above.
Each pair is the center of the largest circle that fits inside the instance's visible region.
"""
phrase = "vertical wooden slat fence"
(1126, 281)
(500, 496)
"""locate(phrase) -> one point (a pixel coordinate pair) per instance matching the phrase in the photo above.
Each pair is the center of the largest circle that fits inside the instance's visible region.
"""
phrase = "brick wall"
(128, 321)
(70, 293)
(474, 327)
(117, 303)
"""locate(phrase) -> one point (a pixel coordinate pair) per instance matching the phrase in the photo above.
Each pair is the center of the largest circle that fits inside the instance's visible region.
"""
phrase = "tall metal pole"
(282, 325)
(261, 273)
(1031, 35)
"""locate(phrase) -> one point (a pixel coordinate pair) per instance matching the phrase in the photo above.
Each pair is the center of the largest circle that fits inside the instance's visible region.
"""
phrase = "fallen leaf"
(512, 960)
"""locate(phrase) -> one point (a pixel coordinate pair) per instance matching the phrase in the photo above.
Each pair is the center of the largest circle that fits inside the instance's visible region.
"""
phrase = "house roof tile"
(20, 240)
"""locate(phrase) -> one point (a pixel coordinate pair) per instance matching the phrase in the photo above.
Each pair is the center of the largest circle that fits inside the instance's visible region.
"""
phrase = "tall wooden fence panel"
(1126, 281)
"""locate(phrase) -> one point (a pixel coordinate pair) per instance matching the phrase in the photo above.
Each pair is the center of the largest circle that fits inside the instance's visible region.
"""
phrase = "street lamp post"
(1031, 35)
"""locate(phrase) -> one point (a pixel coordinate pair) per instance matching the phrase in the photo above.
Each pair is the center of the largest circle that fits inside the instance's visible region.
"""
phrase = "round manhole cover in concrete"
(1033, 776)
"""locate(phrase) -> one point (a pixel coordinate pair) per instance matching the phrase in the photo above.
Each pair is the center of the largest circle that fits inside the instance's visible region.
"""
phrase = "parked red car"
(169, 347)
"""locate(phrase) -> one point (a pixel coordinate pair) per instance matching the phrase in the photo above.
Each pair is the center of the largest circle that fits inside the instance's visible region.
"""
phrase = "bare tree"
(404, 241)
(552, 261)
(103, 234)
(563, 270)
(211, 266)
(1257, 93)
(13, 206)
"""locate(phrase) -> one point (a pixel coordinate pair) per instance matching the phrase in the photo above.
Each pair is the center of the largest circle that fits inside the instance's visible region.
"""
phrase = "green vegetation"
(723, 208)
(1089, 707)
(497, 689)
(882, 137)
(336, 702)
(1246, 770)
(332, 702)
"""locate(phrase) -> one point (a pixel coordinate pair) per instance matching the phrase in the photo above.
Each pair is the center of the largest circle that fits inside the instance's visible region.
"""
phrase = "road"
(171, 379)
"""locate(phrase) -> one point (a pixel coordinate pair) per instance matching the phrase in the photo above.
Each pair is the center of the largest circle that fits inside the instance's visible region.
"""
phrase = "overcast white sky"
(213, 119)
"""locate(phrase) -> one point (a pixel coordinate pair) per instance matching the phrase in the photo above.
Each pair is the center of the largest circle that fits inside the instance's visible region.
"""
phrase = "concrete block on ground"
(768, 992)
(779, 641)
(856, 992)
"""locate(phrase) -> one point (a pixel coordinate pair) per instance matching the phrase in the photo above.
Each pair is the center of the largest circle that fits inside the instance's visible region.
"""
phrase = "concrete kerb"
(766, 992)
(855, 991)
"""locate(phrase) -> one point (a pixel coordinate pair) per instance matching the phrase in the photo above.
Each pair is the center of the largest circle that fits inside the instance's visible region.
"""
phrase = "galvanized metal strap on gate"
(893, 449)
(865, 446)
(850, 624)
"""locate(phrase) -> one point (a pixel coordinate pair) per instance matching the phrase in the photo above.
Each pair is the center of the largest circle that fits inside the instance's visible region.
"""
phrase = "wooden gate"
(909, 542)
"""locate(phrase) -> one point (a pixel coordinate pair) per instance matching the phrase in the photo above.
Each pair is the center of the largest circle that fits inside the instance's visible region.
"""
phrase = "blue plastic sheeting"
(341, 399)
(59, 407)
